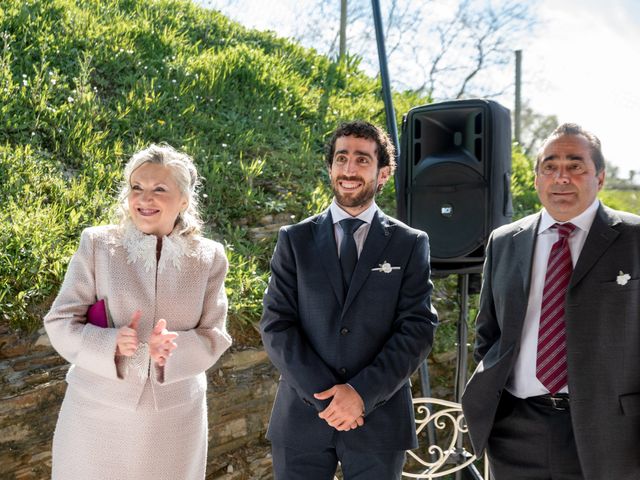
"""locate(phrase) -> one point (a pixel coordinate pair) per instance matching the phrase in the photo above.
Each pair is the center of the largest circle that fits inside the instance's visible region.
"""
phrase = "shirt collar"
(338, 213)
(582, 221)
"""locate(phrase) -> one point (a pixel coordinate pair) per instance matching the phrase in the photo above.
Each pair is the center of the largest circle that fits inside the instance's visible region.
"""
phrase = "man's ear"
(601, 177)
(383, 175)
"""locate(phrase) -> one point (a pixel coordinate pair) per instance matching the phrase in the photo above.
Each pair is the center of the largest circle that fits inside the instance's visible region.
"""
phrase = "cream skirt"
(93, 441)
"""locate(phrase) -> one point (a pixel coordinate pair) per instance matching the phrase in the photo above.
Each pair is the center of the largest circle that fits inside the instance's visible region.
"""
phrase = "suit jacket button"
(344, 331)
(343, 370)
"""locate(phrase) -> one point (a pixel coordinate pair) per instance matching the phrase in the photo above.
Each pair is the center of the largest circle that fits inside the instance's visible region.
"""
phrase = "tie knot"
(564, 229)
(350, 225)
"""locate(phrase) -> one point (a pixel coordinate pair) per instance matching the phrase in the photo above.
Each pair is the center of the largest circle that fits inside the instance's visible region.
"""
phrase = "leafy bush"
(524, 196)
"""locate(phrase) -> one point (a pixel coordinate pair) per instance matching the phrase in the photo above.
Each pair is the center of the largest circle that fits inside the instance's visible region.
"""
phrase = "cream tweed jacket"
(185, 287)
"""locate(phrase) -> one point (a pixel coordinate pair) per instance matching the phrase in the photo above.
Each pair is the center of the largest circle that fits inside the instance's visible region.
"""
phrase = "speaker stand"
(471, 472)
(460, 455)
(461, 344)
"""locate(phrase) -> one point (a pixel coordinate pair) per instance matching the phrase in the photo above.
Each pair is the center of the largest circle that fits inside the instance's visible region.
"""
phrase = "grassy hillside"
(85, 83)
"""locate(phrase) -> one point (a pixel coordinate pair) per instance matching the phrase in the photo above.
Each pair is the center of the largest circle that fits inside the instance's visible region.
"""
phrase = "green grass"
(85, 83)
(627, 200)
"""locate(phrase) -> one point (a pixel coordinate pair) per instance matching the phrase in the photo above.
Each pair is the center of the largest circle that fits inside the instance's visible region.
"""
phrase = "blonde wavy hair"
(189, 221)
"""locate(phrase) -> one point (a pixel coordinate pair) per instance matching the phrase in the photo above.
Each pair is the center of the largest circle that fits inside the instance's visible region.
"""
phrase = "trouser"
(292, 464)
(532, 439)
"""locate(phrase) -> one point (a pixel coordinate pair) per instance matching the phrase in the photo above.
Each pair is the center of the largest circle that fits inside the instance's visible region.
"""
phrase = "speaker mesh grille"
(448, 202)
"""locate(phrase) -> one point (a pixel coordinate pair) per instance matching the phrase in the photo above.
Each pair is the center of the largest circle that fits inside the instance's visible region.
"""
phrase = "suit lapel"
(327, 250)
(518, 279)
(524, 241)
(379, 235)
(600, 236)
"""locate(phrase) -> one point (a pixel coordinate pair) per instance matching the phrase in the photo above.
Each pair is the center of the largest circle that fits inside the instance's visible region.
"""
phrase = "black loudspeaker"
(455, 178)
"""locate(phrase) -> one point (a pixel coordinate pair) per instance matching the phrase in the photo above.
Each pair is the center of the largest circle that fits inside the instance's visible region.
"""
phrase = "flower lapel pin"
(385, 268)
(622, 278)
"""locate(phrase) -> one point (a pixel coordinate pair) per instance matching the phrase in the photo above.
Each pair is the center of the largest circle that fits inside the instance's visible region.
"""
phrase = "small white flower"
(385, 268)
(70, 99)
(623, 278)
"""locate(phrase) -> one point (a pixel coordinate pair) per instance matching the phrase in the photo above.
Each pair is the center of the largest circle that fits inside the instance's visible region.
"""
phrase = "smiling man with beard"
(347, 319)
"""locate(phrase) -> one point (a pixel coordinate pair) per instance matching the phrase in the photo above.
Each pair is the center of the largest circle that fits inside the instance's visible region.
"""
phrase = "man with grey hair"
(556, 394)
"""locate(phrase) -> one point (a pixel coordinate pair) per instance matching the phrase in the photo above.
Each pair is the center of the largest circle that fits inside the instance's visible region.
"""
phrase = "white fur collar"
(142, 247)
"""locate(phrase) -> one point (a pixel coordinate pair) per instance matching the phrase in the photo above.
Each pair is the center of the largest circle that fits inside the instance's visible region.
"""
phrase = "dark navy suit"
(373, 337)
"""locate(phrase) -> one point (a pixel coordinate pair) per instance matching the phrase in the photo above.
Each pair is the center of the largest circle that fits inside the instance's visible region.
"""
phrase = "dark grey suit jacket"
(603, 339)
(374, 336)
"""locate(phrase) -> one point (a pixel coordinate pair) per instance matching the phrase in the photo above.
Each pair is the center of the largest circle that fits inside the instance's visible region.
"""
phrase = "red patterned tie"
(551, 363)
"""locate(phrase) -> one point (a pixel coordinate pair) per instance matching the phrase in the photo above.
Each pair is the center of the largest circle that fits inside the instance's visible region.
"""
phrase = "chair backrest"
(443, 439)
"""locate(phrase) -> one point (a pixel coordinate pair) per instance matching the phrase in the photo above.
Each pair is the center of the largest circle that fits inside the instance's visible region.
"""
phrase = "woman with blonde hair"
(135, 406)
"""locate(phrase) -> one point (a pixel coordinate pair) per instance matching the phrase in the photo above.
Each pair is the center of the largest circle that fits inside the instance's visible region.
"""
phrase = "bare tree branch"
(440, 48)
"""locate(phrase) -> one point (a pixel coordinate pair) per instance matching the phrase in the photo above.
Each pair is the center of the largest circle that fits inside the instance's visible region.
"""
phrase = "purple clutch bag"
(97, 314)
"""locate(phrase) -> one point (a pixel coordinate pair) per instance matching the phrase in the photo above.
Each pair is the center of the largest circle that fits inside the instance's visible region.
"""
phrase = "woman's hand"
(127, 338)
(161, 343)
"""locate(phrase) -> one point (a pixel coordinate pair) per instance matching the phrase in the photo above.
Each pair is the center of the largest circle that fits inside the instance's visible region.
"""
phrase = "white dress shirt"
(360, 235)
(523, 382)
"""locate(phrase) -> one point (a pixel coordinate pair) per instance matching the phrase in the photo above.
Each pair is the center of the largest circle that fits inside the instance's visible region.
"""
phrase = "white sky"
(582, 64)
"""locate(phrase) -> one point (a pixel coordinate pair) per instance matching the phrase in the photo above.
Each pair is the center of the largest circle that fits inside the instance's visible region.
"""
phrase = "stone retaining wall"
(241, 391)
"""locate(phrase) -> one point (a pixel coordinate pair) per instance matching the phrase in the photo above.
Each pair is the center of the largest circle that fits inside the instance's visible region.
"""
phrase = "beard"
(357, 199)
